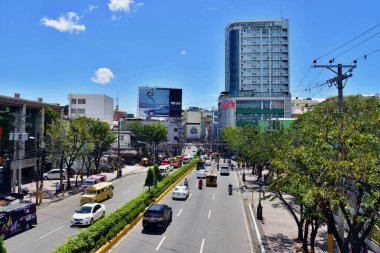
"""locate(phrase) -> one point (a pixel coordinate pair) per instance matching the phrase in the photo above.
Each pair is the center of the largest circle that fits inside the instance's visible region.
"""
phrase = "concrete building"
(22, 123)
(257, 72)
(96, 106)
(197, 125)
(302, 105)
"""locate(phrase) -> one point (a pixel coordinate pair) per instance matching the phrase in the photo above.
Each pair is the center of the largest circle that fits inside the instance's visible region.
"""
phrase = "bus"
(16, 215)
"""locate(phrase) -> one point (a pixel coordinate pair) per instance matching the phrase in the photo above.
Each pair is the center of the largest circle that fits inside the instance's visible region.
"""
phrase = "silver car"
(54, 174)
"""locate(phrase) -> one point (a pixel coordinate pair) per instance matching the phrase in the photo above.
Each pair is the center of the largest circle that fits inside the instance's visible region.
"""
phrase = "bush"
(2, 247)
(102, 231)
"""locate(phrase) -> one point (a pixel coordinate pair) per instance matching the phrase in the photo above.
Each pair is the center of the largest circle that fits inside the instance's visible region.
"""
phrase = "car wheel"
(46, 178)
(103, 214)
(151, 113)
(91, 221)
(27, 226)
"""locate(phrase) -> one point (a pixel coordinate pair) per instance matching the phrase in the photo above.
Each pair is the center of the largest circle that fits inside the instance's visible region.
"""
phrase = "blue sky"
(51, 48)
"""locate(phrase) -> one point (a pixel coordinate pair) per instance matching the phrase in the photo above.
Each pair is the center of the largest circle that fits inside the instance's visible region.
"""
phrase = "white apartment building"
(96, 106)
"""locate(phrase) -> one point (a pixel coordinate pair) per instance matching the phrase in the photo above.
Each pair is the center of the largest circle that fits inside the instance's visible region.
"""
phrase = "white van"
(164, 170)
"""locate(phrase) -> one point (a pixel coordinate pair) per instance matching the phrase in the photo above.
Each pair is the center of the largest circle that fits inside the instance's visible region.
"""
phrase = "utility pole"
(338, 82)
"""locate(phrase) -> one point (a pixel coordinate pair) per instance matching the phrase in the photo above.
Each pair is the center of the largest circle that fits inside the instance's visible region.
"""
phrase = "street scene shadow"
(152, 231)
(280, 243)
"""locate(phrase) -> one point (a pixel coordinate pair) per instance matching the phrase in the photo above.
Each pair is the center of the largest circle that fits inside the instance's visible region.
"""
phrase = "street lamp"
(259, 206)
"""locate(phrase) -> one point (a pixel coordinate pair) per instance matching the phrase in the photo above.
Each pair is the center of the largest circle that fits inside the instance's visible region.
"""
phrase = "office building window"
(175, 129)
(73, 101)
(73, 110)
(121, 137)
(81, 101)
(81, 111)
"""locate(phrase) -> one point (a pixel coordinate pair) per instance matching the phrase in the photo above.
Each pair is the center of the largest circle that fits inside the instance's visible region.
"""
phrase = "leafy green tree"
(335, 153)
(68, 141)
(102, 138)
(157, 173)
(2, 247)
(149, 180)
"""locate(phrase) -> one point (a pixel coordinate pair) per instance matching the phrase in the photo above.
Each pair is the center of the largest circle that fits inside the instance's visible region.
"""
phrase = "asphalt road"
(54, 220)
(210, 220)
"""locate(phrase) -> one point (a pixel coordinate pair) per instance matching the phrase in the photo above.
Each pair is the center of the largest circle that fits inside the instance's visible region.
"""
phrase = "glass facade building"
(257, 71)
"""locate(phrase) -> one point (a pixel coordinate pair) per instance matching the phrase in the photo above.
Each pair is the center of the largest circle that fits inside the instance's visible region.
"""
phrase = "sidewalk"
(48, 191)
(278, 228)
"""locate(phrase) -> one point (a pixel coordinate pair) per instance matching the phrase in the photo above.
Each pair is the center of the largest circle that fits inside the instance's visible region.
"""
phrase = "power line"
(357, 45)
(364, 57)
(348, 42)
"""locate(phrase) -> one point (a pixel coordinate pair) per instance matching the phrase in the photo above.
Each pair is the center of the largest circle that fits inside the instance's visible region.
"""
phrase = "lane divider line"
(257, 230)
(246, 225)
(190, 195)
(55, 230)
(202, 245)
(180, 211)
(159, 245)
(209, 214)
(213, 196)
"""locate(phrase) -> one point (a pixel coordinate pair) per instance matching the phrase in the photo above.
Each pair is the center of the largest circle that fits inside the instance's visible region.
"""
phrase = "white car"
(201, 173)
(88, 214)
(186, 159)
(224, 170)
(54, 174)
(180, 192)
(207, 162)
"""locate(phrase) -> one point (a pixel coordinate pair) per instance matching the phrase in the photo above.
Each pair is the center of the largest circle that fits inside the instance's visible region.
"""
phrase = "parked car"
(157, 216)
(95, 179)
(106, 168)
(224, 170)
(164, 170)
(88, 214)
(180, 192)
(54, 174)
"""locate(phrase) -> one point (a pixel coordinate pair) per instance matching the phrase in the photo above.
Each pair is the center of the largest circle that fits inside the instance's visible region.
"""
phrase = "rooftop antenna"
(117, 100)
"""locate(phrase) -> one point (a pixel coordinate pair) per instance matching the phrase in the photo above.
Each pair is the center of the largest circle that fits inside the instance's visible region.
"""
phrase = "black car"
(157, 216)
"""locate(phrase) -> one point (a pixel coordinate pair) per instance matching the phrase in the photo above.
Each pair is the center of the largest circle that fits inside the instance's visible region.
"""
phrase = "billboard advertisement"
(159, 102)
(227, 103)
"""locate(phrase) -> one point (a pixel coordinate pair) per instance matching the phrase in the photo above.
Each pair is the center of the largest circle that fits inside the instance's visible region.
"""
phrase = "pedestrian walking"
(263, 190)
(57, 188)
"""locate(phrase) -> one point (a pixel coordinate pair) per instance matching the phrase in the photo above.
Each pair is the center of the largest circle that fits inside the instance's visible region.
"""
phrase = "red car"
(176, 163)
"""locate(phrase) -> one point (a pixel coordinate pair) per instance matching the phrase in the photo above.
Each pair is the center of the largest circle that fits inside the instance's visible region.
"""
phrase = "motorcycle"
(200, 185)
(230, 189)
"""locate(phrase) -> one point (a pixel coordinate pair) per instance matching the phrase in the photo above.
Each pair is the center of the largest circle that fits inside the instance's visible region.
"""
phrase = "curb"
(128, 227)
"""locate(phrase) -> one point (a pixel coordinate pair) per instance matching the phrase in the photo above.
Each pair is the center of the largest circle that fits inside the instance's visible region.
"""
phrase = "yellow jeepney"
(211, 179)
(97, 193)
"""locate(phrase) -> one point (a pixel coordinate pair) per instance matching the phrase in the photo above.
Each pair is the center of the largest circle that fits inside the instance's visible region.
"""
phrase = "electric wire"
(348, 50)
(364, 57)
(348, 42)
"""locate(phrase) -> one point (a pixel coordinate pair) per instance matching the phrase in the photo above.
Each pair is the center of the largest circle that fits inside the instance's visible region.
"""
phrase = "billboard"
(159, 102)
(227, 103)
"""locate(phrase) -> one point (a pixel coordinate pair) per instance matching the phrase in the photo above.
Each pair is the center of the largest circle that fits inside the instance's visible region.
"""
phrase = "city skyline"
(113, 47)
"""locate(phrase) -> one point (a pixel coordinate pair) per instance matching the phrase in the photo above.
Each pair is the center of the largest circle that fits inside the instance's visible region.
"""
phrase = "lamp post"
(259, 206)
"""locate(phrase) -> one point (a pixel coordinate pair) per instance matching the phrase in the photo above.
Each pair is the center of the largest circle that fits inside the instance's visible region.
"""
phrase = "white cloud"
(120, 5)
(183, 52)
(140, 4)
(92, 7)
(103, 76)
(66, 23)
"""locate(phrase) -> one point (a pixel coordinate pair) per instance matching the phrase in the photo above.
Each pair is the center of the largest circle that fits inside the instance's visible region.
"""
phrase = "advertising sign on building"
(227, 103)
(160, 102)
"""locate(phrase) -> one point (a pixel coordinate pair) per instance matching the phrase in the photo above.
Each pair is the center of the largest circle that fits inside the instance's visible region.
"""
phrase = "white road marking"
(190, 195)
(202, 245)
(159, 245)
(257, 230)
(209, 214)
(213, 196)
(180, 211)
(55, 230)
(246, 224)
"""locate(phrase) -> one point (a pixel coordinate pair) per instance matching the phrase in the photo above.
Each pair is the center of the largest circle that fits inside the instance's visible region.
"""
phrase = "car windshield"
(88, 192)
(88, 182)
(84, 209)
(178, 189)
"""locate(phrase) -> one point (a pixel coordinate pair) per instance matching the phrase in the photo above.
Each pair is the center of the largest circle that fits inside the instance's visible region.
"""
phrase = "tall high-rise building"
(257, 72)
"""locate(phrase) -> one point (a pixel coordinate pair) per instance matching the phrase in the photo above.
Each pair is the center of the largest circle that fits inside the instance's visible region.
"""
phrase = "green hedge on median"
(102, 231)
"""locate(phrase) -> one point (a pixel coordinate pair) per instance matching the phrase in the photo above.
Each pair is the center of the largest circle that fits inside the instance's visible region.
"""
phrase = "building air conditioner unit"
(17, 95)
